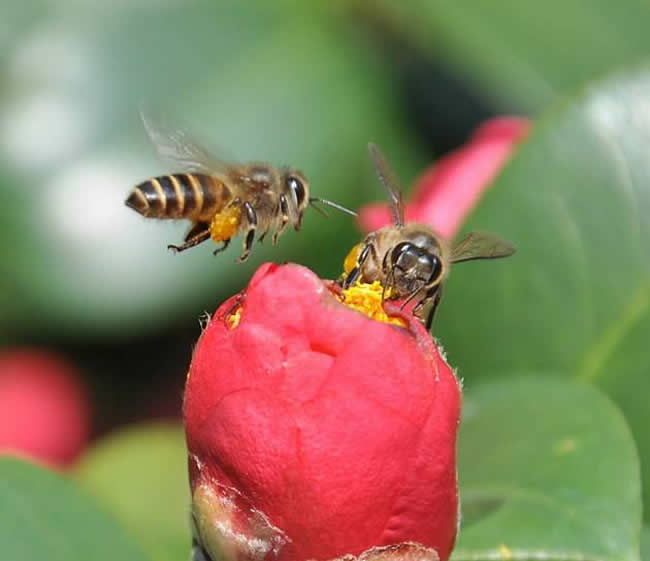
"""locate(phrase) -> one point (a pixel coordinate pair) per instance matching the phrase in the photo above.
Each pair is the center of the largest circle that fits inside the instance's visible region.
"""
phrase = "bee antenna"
(325, 202)
(318, 209)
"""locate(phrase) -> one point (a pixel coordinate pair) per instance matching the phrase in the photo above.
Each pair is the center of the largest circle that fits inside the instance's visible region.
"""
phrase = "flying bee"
(220, 199)
(411, 261)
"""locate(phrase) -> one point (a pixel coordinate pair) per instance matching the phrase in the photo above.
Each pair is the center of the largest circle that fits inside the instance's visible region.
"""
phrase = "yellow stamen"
(366, 298)
(225, 224)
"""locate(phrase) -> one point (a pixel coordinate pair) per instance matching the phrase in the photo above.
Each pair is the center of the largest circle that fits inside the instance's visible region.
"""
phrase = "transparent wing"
(390, 182)
(178, 149)
(481, 245)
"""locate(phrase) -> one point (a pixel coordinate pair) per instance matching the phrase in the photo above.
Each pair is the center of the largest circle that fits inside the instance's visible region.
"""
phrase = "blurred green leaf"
(576, 296)
(548, 469)
(275, 81)
(645, 543)
(524, 52)
(44, 516)
(140, 475)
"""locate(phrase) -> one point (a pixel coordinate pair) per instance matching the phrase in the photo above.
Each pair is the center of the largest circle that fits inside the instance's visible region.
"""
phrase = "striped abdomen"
(194, 196)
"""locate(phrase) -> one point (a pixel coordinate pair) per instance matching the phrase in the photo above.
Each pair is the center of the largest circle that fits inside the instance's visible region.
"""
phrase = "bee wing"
(390, 182)
(481, 245)
(181, 151)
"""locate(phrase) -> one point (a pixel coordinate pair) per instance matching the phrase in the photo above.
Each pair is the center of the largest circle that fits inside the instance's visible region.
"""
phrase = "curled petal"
(446, 192)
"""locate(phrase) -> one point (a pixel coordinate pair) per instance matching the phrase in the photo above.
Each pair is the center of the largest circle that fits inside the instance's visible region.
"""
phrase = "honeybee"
(412, 261)
(222, 199)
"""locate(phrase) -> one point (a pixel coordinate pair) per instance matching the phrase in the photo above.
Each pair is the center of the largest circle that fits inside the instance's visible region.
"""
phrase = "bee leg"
(351, 278)
(261, 238)
(224, 246)
(355, 272)
(284, 209)
(251, 217)
(197, 234)
(196, 229)
(413, 295)
(388, 284)
(436, 294)
(248, 244)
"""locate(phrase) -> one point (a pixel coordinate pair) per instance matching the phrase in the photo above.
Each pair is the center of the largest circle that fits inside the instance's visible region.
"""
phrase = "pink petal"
(340, 429)
(447, 191)
(44, 408)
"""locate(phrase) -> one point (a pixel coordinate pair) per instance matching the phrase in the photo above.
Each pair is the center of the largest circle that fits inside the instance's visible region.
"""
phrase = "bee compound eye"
(431, 264)
(297, 188)
(403, 255)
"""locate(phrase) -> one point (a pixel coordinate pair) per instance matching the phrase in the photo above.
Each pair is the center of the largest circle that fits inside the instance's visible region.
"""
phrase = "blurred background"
(89, 284)
(305, 85)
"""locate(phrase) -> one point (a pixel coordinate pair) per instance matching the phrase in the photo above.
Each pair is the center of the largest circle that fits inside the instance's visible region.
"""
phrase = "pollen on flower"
(234, 317)
(225, 224)
(367, 299)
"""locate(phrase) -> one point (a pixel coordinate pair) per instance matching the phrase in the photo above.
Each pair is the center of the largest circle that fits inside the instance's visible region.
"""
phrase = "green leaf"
(575, 298)
(275, 81)
(548, 470)
(140, 476)
(44, 516)
(526, 52)
(645, 543)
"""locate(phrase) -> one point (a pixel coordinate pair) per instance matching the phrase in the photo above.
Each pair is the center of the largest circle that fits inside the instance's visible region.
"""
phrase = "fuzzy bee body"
(220, 199)
(191, 196)
(239, 200)
(411, 261)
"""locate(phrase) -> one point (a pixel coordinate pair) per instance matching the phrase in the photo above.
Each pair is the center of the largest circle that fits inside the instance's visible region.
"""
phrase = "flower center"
(367, 299)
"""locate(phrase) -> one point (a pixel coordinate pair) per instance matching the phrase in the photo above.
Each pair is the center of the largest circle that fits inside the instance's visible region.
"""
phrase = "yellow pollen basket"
(351, 258)
(225, 224)
(366, 298)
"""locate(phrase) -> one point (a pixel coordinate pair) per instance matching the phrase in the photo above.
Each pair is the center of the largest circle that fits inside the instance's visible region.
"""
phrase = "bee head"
(296, 190)
(414, 267)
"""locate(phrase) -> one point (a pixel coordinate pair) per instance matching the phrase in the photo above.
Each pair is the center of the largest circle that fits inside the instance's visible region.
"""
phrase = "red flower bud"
(447, 191)
(44, 411)
(314, 431)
